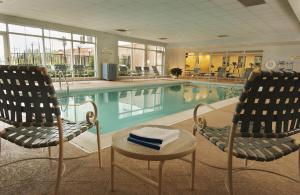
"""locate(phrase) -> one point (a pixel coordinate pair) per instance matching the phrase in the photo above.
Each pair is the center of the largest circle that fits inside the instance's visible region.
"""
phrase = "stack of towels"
(153, 137)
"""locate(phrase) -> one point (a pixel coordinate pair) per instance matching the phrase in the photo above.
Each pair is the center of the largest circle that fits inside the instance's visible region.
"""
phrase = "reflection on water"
(122, 108)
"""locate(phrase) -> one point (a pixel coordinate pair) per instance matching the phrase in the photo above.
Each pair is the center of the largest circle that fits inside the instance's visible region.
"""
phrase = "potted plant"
(176, 72)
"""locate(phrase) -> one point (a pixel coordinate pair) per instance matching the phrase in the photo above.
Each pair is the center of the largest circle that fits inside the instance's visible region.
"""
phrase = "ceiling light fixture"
(121, 30)
(248, 3)
(222, 36)
(162, 38)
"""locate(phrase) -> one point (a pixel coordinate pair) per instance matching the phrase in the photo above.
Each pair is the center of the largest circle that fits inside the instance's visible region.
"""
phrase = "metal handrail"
(60, 76)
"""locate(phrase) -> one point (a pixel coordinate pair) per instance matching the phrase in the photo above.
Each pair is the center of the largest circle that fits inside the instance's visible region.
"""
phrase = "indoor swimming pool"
(121, 108)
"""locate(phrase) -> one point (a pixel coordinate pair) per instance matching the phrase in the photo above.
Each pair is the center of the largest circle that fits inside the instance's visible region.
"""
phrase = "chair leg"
(59, 170)
(229, 174)
(229, 161)
(0, 146)
(49, 151)
(98, 143)
(299, 164)
(60, 157)
(246, 162)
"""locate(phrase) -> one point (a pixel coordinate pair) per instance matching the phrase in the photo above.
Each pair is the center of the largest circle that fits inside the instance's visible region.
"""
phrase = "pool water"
(126, 107)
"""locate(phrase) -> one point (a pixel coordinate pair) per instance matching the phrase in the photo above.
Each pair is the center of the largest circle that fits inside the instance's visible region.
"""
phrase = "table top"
(184, 145)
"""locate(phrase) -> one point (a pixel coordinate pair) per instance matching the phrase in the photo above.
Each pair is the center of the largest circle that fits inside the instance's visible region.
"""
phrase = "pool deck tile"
(83, 176)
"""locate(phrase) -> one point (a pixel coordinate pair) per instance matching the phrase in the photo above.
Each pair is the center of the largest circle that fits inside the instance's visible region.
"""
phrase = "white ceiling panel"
(181, 21)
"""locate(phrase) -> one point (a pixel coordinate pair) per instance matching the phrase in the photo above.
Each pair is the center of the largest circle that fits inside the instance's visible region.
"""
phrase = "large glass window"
(25, 49)
(131, 55)
(2, 56)
(58, 52)
(155, 57)
(24, 30)
(151, 58)
(138, 58)
(84, 54)
(57, 34)
(48, 47)
(2, 26)
(125, 57)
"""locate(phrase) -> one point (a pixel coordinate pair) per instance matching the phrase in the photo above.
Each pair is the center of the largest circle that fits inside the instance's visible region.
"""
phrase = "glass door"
(2, 51)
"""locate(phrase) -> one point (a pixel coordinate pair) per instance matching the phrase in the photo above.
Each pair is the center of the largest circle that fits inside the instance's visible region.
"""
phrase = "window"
(24, 30)
(83, 38)
(57, 34)
(124, 44)
(151, 47)
(125, 56)
(151, 58)
(2, 27)
(25, 49)
(2, 56)
(57, 52)
(131, 55)
(138, 58)
(37, 46)
(155, 57)
(84, 54)
(138, 46)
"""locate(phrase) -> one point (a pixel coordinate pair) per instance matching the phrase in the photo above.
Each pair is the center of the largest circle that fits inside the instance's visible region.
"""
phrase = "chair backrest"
(154, 68)
(60, 67)
(247, 72)
(79, 67)
(123, 69)
(269, 105)
(221, 72)
(138, 69)
(146, 69)
(27, 96)
(196, 70)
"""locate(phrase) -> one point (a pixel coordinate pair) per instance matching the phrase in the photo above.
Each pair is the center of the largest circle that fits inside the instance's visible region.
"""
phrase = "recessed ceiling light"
(249, 3)
(222, 36)
(163, 38)
(121, 30)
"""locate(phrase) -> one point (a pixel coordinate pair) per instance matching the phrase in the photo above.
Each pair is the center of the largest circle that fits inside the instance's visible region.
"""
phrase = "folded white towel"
(156, 134)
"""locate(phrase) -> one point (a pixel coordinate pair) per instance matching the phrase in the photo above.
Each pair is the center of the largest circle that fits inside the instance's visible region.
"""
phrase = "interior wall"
(176, 56)
(107, 43)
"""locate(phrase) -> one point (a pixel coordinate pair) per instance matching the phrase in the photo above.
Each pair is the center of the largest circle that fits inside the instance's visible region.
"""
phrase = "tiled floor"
(84, 177)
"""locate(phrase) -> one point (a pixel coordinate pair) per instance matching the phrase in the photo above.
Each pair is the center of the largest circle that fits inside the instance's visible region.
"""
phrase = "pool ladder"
(60, 76)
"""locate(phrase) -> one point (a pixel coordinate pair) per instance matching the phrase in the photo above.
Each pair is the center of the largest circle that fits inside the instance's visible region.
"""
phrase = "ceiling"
(183, 22)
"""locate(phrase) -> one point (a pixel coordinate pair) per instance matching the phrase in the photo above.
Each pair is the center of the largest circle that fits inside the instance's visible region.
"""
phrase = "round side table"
(183, 146)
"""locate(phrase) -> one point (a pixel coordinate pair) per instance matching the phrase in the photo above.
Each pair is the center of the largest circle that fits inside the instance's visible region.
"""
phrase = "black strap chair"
(29, 104)
(146, 70)
(154, 68)
(138, 70)
(267, 114)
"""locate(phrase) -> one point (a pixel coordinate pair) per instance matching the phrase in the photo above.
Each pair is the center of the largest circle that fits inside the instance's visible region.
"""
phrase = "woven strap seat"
(37, 137)
(259, 149)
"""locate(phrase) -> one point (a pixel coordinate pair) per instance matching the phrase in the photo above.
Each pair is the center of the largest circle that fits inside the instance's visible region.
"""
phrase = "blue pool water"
(126, 107)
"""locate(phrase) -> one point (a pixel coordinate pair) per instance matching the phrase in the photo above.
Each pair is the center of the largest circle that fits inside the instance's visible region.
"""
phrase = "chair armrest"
(91, 116)
(201, 121)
